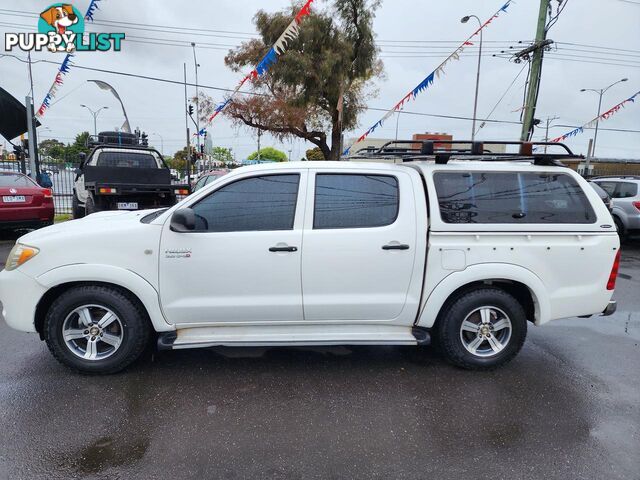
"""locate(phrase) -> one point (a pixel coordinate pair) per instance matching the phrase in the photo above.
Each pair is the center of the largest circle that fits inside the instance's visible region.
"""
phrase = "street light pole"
(95, 117)
(546, 135)
(195, 62)
(600, 93)
(465, 19)
(161, 143)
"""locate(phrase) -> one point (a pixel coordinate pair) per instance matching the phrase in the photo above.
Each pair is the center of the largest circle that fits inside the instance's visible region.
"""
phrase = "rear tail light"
(47, 193)
(611, 284)
(107, 190)
(637, 205)
(182, 191)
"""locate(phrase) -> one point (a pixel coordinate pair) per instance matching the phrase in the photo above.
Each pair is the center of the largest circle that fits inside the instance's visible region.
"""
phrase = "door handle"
(396, 247)
(283, 249)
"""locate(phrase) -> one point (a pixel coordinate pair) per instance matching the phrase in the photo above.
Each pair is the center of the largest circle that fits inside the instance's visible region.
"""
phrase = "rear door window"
(609, 187)
(518, 197)
(355, 201)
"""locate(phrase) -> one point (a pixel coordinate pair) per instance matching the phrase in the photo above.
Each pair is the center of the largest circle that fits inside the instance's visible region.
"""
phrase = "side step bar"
(185, 338)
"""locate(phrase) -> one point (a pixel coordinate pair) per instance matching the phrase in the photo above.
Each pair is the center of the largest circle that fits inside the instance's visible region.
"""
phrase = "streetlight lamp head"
(624, 79)
(83, 105)
(583, 89)
(465, 19)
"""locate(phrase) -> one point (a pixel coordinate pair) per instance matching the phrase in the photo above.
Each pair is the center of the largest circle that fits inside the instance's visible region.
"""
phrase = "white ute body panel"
(340, 286)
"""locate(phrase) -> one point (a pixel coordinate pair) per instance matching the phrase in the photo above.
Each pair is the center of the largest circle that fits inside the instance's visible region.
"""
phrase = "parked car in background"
(466, 251)
(207, 177)
(24, 203)
(625, 194)
(604, 196)
(120, 173)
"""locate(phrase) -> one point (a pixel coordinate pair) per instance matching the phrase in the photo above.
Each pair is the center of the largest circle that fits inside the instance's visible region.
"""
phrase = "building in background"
(433, 136)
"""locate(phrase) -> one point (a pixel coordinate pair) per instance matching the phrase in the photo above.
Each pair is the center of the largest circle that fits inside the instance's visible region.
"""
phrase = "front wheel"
(76, 209)
(482, 329)
(96, 329)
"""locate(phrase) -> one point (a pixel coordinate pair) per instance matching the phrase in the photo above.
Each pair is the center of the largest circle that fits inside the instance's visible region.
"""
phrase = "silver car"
(625, 192)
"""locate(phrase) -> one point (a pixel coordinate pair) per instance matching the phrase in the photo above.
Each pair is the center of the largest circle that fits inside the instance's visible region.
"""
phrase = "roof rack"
(443, 150)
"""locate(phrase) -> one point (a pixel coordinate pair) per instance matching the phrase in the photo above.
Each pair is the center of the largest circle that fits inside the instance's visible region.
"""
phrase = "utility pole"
(186, 124)
(33, 142)
(536, 71)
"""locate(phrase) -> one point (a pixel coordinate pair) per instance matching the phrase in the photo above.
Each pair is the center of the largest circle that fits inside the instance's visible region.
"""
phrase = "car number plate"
(127, 205)
(14, 199)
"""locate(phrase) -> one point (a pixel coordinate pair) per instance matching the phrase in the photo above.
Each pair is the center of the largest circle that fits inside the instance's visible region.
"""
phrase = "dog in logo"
(60, 18)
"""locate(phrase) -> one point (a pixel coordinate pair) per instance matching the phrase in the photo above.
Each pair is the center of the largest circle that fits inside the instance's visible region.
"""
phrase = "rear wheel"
(482, 329)
(90, 205)
(620, 228)
(96, 329)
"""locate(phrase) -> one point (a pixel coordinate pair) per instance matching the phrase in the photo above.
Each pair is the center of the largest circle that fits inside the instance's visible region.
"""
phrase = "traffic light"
(202, 149)
(190, 109)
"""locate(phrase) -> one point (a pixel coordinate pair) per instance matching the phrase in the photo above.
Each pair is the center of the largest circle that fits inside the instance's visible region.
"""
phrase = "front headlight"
(20, 254)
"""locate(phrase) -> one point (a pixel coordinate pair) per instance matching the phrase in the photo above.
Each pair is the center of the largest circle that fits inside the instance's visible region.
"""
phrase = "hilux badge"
(177, 253)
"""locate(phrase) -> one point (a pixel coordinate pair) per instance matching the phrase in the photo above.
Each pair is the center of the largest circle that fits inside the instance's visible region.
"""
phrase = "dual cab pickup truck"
(462, 251)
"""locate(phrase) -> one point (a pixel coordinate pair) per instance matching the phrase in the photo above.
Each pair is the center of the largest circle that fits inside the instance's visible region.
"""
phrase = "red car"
(24, 203)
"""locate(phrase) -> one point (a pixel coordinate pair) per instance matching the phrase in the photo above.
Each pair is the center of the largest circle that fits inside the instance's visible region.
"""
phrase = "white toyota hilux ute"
(465, 253)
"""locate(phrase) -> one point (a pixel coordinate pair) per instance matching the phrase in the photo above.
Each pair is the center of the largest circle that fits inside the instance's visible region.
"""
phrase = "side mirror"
(183, 221)
(77, 171)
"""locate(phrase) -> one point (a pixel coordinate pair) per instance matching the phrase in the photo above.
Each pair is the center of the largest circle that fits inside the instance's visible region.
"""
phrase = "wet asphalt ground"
(567, 407)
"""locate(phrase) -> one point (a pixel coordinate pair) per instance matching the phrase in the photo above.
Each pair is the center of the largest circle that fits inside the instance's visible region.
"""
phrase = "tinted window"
(355, 201)
(609, 187)
(253, 204)
(484, 197)
(199, 184)
(126, 159)
(626, 190)
(14, 180)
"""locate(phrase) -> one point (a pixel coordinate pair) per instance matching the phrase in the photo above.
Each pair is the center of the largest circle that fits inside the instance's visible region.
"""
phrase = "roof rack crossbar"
(443, 150)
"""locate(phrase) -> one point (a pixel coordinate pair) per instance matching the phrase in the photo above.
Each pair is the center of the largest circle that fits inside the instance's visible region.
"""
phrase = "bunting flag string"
(428, 81)
(291, 33)
(606, 115)
(64, 68)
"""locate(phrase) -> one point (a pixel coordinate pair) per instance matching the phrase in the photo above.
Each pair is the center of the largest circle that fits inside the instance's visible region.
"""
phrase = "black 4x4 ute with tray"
(122, 173)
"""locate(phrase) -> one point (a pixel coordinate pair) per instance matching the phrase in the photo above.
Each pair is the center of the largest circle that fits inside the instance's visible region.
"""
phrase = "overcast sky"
(413, 36)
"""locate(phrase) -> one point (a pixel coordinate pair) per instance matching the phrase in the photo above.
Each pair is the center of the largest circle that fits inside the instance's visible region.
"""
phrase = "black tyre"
(90, 206)
(620, 228)
(482, 329)
(76, 209)
(96, 329)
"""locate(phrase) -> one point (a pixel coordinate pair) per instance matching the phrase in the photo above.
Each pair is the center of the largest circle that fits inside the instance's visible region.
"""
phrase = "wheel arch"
(521, 283)
(62, 279)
